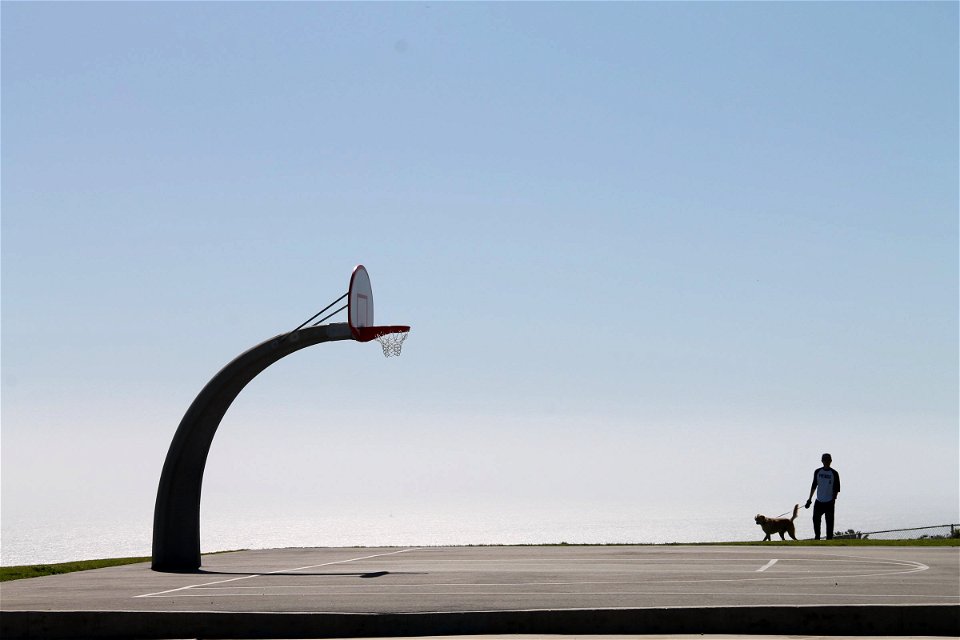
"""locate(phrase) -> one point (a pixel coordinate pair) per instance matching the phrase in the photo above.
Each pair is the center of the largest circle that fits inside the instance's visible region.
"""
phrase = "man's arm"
(836, 484)
(813, 487)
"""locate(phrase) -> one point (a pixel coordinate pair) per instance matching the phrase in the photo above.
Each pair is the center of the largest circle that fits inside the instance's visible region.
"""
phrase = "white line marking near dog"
(768, 565)
(162, 594)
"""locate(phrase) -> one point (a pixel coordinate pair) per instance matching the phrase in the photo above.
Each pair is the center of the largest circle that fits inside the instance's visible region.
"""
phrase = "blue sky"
(631, 238)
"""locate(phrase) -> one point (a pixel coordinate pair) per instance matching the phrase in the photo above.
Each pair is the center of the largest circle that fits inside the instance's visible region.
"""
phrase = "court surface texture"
(434, 591)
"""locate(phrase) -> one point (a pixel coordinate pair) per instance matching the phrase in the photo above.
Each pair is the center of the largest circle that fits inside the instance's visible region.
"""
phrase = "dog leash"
(785, 513)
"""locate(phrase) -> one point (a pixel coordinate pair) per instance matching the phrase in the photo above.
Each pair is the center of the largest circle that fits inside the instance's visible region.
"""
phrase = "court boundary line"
(585, 593)
(415, 613)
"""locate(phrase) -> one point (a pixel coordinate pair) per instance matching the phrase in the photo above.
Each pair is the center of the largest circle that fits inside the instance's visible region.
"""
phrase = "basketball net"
(392, 342)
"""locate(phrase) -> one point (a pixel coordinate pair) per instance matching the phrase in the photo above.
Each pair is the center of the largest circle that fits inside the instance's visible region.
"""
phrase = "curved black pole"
(176, 518)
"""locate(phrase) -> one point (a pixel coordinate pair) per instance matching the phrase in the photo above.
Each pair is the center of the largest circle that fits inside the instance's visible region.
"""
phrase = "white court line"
(768, 565)
(911, 567)
(534, 594)
(206, 589)
(161, 594)
(354, 590)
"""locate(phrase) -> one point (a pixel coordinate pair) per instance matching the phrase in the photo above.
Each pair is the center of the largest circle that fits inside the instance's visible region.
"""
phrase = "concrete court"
(351, 592)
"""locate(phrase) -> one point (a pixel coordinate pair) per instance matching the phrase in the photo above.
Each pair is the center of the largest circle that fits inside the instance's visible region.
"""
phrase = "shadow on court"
(372, 574)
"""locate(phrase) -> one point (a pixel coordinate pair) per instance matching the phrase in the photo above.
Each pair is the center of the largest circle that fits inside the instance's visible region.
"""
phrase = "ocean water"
(42, 539)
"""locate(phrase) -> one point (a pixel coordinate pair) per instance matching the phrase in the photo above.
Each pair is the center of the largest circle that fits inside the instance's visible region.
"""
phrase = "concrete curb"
(876, 620)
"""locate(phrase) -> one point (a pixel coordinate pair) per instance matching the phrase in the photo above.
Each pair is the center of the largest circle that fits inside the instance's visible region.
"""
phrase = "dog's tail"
(796, 507)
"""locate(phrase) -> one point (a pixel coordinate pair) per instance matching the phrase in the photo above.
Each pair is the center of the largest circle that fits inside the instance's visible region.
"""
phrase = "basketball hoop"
(360, 316)
(390, 337)
(392, 342)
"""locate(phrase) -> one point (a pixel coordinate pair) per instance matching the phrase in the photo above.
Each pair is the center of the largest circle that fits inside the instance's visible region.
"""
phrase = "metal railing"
(914, 533)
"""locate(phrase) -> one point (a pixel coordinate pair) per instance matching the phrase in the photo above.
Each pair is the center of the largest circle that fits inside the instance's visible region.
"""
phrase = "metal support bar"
(329, 315)
(318, 313)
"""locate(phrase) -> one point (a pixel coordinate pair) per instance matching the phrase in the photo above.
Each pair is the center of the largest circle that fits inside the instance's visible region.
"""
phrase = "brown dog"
(778, 525)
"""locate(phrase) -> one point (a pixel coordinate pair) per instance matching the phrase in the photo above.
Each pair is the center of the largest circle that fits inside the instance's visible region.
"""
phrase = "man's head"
(826, 459)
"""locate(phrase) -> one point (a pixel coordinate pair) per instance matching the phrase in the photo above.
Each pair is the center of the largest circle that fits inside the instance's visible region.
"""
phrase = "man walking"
(826, 482)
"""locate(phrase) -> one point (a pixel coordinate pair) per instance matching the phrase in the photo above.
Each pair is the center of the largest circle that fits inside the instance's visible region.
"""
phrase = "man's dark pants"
(823, 509)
